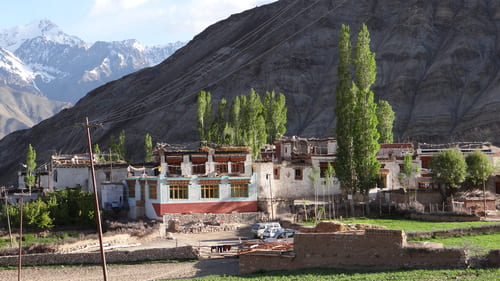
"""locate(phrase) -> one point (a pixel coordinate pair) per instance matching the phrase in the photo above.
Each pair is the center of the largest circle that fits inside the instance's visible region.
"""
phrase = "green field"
(30, 238)
(333, 274)
(421, 226)
(476, 244)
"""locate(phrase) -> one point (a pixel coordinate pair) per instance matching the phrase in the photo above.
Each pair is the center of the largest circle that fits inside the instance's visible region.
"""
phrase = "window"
(238, 167)
(276, 173)
(426, 162)
(178, 191)
(108, 176)
(174, 169)
(209, 191)
(323, 166)
(221, 168)
(199, 168)
(298, 173)
(239, 190)
(131, 188)
(152, 190)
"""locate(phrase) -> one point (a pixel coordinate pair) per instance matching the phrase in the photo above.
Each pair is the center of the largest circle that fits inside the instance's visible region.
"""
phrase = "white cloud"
(113, 6)
(158, 21)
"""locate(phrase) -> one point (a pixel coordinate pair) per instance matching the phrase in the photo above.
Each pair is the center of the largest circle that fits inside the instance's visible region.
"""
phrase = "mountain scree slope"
(437, 65)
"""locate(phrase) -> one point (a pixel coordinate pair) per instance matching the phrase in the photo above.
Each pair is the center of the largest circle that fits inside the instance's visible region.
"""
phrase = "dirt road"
(139, 272)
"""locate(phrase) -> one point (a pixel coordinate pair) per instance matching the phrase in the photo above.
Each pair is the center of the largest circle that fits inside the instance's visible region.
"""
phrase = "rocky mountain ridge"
(437, 65)
(39, 58)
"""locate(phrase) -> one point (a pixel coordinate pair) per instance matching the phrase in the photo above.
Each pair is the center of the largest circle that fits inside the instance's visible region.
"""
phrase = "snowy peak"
(15, 73)
(13, 38)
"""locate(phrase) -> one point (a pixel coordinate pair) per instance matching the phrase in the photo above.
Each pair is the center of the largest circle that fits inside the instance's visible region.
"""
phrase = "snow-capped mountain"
(65, 68)
(15, 73)
(40, 59)
(12, 38)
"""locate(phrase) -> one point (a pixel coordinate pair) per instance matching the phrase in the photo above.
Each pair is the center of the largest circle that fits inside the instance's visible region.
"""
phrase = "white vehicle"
(285, 235)
(258, 229)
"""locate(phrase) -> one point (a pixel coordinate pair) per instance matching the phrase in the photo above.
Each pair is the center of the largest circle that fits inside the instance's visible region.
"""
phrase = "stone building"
(195, 181)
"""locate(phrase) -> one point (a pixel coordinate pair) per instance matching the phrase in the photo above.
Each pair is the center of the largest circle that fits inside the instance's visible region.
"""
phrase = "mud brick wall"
(433, 258)
(369, 249)
(362, 249)
(186, 252)
(265, 260)
(243, 218)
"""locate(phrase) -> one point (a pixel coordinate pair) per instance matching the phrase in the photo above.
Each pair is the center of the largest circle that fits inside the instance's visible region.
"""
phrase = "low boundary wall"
(242, 218)
(186, 252)
(369, 249)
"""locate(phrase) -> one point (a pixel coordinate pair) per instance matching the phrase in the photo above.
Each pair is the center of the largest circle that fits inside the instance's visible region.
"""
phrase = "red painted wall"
(205, 207)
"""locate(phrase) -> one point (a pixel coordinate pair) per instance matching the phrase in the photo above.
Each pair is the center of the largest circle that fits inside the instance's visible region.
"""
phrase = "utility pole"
(96, 199)
(271, 195)
(484, 189)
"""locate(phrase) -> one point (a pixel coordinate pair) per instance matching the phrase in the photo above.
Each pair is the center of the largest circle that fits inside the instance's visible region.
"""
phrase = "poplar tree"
(366, 135)
(344, 111)
(29, 178)
(254, 126)
(204, 114)
(274, 115)
(235, 121)
(97, 151)
(216, 132)
(148, 148)
(122, 147)
(479, 167)
(385, 117)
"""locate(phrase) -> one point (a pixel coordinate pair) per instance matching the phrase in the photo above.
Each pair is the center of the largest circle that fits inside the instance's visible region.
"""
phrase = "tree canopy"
(449, 168)
(385, 117)
(29, 178)
(479, 167)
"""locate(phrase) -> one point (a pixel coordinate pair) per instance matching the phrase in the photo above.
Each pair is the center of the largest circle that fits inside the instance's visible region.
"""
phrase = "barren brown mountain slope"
(437, 64)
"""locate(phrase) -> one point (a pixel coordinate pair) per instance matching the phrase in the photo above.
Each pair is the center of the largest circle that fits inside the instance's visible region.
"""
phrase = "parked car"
(285, 235)
(258, 229)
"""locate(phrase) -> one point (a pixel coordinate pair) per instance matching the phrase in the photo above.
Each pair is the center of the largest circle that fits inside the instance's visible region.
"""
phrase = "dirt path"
(153, 271)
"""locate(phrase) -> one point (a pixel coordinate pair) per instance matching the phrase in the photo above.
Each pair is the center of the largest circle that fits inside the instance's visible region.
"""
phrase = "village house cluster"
(227, 179)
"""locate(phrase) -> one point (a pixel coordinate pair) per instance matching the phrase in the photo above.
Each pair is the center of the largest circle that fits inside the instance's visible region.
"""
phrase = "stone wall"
(186, 252)
(241, 218)
(369, 249)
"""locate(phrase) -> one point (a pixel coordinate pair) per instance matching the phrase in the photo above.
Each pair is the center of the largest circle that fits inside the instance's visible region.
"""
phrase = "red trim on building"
(205, 207)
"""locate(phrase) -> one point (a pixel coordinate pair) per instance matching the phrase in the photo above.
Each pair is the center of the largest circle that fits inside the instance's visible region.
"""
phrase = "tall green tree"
(274, 115)
(366, 135)
(385, 117)
(148, 148)
(96, 150)
(29, 178)
(235, 121)
(344, 111)
(216, 132)
(448, 168)
(253, 123)
(407, 170)
(118, 147)
(204, 115)
(479, 167)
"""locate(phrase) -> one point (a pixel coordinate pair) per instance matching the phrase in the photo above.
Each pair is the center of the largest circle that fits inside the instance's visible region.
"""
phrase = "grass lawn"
(30, 239)
(413, 225)
(335, 274)
(476, 244)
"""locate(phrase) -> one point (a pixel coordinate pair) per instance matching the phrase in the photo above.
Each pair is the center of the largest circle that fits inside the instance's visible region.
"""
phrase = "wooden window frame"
(209, 191)
(239, 190)
(153, 192)
(300, 175)
(178, 191)
(276, 173)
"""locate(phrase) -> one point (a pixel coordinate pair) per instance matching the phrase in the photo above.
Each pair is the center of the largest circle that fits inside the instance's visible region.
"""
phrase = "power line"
(156, 93)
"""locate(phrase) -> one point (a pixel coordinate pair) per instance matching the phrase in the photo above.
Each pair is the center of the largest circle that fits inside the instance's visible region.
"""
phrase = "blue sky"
(149, 21)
